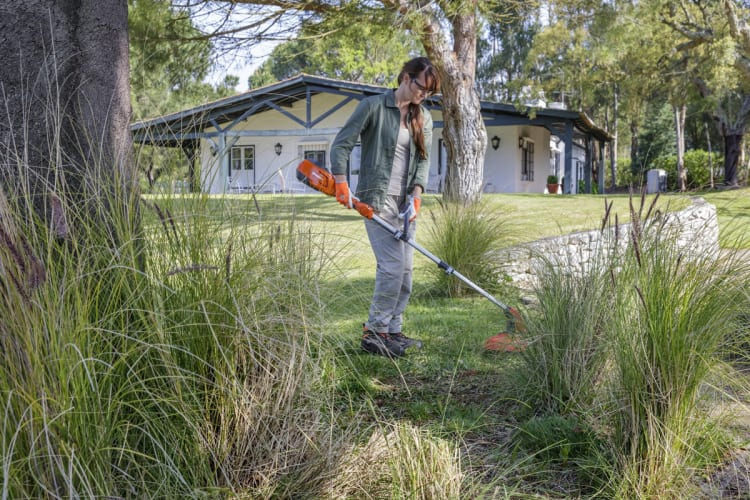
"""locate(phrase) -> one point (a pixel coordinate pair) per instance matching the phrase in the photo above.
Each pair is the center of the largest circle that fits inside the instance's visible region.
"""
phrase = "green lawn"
(528, 217)
(454, 330)
(215, 337)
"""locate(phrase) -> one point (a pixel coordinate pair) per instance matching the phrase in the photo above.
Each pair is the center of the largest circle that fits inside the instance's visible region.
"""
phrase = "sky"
(235, 63)
(243, 61)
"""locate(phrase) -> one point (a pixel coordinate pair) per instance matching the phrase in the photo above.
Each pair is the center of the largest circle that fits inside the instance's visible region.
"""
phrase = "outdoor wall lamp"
(495, 142)
(521, 142)
(277, 148)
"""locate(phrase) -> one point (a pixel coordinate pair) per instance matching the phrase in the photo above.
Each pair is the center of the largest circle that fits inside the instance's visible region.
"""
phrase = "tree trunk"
(613, 144)
(710, 159)
(65, 98)
(732, 145)
(679, 126)
(465, 140)
(635, 169)
(464, 135)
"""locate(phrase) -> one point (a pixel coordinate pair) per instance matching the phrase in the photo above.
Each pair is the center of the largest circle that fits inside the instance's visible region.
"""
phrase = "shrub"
(696, 166)
(625, 175)
(466, 238)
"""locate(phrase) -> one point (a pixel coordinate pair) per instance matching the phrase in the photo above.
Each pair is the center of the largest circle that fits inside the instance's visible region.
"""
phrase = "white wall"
(275, 172)
(502, 172)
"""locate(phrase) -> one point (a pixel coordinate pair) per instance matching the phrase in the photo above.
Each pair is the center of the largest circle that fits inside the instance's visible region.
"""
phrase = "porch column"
(588, 165)
(568, 187)
(602, 166)
(224, 172)
(190, 149)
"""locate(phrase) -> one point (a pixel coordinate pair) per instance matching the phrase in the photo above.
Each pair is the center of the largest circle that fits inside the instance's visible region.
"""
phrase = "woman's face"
(416, 87)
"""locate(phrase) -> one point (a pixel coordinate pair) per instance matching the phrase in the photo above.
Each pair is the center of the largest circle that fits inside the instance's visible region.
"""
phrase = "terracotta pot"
(552, 188)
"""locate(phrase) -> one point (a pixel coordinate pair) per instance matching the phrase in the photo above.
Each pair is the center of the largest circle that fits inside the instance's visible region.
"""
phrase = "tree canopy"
(616, 61)
(370, 52)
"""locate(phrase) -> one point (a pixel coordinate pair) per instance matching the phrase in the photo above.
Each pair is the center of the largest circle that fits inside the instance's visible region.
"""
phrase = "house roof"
(188, 124)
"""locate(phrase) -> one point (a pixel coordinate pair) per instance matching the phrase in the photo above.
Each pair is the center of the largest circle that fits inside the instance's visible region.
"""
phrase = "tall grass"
(466, 237)
(200, 371)
(161, 357)
(631, 347)
(676, 306)
(567, 351)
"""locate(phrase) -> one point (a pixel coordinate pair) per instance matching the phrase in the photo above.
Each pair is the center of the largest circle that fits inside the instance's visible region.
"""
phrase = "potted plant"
(552, 184)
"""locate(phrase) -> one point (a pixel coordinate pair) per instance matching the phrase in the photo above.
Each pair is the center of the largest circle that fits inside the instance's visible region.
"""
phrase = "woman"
(396, 138)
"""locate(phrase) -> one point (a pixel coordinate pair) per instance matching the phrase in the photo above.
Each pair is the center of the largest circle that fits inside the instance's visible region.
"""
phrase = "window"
(241, 158)
(527, 161)
(317, 157)
(315, 151)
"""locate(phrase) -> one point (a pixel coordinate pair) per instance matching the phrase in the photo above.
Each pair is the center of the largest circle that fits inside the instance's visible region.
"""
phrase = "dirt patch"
(730, 480)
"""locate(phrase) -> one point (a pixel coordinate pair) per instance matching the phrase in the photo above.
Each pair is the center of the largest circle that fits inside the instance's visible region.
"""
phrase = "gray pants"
(393, 273)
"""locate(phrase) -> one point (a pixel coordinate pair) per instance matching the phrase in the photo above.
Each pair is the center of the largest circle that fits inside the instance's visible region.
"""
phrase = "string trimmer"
(322, 180)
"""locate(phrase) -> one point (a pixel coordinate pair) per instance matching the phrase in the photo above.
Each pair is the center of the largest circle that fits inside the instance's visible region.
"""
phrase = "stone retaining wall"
(695, 227)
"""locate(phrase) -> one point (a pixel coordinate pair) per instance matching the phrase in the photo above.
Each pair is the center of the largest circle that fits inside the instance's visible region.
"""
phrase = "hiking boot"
(405, 341)
(381, 344)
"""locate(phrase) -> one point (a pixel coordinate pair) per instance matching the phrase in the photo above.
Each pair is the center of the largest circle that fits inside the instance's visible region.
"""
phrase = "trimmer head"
(504, 342)
(507, 341)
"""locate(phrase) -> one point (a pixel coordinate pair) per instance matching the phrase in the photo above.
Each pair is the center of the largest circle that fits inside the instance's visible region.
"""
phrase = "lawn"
(218, 357)
(453, 387)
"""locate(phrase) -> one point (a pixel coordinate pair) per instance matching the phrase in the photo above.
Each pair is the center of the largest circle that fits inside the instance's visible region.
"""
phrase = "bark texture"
(64, 123)
(464, 134)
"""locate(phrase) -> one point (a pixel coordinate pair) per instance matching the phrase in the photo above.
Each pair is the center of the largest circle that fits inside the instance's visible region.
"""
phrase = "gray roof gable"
(189, 123)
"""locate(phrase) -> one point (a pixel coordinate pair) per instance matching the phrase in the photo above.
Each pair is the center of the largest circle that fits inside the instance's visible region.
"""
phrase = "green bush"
(466, 238)
(625, 175)
(696, 166)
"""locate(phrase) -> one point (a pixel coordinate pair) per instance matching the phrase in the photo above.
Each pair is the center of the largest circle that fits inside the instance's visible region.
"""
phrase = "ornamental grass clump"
(567, 353)
(161, 349)
(631, 345)
(402, 461)
(466, 237)
(567, 328)
(242, 320)
(675, 306)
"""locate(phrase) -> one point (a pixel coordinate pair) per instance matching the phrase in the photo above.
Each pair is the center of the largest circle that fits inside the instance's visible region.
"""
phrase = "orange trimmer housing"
(316, 177)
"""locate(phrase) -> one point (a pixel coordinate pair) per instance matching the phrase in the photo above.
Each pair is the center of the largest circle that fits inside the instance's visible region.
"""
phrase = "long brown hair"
(413, 68)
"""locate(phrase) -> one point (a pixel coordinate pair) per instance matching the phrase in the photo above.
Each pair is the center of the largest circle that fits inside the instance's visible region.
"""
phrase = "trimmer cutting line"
(322, 180)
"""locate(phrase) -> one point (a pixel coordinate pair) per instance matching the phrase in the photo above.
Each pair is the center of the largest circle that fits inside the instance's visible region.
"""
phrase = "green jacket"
(377, 121)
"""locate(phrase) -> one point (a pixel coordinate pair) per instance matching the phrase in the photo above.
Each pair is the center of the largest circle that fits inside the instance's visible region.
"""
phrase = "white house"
(253, 142)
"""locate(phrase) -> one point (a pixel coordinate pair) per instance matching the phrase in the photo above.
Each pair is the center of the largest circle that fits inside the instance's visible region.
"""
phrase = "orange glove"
(364, 209)
(416, 204)
(343, 194)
